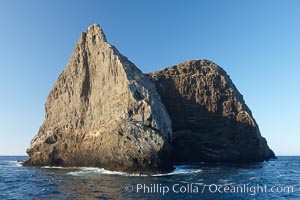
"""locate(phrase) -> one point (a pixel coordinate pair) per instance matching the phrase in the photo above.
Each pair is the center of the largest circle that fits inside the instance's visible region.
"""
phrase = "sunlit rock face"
(104, 112)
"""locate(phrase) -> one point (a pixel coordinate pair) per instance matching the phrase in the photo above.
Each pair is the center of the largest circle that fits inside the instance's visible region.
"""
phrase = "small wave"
(252, 178)
(85, 171)
(180, 170)
(58, 167)
(15, 163)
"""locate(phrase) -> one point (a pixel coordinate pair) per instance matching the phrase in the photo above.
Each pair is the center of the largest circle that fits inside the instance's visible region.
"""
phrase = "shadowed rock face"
(103, 111)
(211, 121)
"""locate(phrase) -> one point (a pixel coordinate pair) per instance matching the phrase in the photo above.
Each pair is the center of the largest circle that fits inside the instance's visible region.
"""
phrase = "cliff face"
(102, 111)
(211, 121)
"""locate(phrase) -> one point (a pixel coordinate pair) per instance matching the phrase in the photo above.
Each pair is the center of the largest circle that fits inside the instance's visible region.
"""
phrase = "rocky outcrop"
(103, 111)
(211, 121)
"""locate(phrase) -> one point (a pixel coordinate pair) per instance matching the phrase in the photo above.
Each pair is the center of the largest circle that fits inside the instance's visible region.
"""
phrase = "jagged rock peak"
(94, 34)
(96, 31)
(103, 111)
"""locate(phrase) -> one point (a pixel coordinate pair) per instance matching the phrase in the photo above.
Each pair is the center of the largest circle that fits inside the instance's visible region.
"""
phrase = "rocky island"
(104, 112)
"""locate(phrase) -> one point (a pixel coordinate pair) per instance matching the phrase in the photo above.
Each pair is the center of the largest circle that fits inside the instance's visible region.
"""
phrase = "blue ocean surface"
(276, 179)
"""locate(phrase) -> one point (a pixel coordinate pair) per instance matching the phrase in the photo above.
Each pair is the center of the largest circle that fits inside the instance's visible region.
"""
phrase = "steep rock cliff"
(211, 121)
(103, 111)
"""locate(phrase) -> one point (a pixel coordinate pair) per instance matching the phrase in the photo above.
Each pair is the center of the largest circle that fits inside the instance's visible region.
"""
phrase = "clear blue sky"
(257, 42)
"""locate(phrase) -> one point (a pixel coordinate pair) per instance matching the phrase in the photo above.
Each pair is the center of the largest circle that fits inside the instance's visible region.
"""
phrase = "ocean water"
(276, 179)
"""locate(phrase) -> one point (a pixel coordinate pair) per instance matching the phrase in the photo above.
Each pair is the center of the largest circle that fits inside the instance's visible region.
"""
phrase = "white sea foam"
(85, 171)
(58, 167)
(15, 163)
(184, 169)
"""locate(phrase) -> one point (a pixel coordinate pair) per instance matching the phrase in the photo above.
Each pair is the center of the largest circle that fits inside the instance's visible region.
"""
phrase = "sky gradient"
(257, 42)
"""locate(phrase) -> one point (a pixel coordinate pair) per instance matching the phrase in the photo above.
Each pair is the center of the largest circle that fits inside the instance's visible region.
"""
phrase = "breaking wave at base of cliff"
(87, 171)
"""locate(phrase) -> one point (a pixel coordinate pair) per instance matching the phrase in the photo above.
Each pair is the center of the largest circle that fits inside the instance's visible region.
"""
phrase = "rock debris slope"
(211, 121)
(103, 111)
